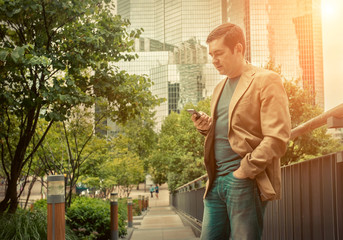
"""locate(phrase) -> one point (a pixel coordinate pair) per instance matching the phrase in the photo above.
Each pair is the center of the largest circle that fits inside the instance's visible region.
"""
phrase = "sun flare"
(329, 9)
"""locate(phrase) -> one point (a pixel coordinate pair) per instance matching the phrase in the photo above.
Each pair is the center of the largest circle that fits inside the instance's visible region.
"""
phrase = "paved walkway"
(160, 222)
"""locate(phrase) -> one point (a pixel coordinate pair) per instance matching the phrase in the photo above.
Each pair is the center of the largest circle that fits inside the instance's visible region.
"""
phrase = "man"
(152, 190)
(157, 191)
(245, 138)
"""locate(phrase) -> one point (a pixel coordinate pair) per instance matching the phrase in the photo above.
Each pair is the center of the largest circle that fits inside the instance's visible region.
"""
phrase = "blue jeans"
(233, 208)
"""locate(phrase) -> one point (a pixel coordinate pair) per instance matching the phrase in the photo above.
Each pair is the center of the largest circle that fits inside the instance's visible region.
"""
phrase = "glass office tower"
(286, 32)
(141, 14)
(173, 52)
(181, 71)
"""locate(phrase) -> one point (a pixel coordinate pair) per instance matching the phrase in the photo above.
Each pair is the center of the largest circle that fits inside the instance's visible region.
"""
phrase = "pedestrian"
(246, 135)
(152, 190)
(156, 191)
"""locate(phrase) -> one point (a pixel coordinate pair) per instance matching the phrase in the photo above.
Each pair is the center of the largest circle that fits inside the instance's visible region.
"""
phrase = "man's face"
(226, 62)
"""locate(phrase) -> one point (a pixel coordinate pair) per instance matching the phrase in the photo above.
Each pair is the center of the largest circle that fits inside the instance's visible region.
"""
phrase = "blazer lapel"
(243, 84)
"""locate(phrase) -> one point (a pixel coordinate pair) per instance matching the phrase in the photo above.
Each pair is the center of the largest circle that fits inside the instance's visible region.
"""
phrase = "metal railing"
(333, 118)
(312, 199)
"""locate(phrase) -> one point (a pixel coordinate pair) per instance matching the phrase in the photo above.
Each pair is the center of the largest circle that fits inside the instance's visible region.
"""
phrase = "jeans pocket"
(238, 179)
(238, 182)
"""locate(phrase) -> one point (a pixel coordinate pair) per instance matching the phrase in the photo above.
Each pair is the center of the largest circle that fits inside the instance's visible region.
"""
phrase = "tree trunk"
(11, 197)
(10, 202)
(69, 195)
(34, 179)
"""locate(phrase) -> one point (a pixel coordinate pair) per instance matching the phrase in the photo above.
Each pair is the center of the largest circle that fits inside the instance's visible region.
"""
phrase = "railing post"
(129, 212)
(114, 216)
(56, 207)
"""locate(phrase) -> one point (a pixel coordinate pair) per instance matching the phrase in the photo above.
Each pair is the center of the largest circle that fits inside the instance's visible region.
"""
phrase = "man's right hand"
(203, 123)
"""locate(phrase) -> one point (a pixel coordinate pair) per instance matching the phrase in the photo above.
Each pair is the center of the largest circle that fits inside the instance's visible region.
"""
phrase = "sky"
(332, 24)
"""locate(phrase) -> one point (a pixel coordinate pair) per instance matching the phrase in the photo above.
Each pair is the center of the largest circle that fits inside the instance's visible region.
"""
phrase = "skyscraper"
(179, 66)
(173, 51)
(286, 32)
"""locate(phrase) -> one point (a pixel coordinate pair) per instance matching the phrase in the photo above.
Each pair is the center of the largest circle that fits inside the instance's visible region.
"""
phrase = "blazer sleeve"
(275, 125)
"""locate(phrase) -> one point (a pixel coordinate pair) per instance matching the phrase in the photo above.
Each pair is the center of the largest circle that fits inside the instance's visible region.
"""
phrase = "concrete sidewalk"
(160, 222)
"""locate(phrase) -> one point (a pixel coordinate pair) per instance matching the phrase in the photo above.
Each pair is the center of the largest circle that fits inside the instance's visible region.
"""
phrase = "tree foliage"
(117, 167)
(140, 135)
(69, 147)
(124, 161)
(312, 144)
(55, 55)
(178, 157)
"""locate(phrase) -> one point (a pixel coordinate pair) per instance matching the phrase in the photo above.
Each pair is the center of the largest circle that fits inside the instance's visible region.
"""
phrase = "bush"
(91, 217)
(23, 225)
(122, 208)
(87, 218)
(135, 208)
(28, 225)
(41, 205)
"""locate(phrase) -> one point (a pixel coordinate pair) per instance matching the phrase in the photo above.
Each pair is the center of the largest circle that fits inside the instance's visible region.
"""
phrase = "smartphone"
(192, 111)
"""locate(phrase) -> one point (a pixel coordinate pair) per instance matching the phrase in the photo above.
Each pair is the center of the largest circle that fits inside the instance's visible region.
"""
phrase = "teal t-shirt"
(226, 159)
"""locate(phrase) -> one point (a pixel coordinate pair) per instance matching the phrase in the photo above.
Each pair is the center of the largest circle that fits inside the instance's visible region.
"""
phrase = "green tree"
(55, 55)
(140, 134)
(178, 157)
(312, 144)
(137, 138)
(120, 168)
(70, 145)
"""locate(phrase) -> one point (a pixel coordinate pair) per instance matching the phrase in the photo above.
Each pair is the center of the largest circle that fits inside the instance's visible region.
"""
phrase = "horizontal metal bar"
(317, 122)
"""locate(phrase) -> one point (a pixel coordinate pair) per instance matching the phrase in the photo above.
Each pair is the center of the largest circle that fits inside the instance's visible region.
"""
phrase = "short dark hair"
(232, 33)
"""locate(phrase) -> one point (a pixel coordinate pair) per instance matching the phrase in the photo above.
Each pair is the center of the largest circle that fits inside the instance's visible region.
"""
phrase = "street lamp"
(129, 212)
(114, 216)
(140, 202)
(56, 207)
(114, 197)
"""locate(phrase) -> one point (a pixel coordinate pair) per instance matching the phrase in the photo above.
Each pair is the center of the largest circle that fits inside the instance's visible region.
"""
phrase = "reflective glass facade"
(287, 32)
(177, 21)
(173, 52)
(141, 14)
(179, 84)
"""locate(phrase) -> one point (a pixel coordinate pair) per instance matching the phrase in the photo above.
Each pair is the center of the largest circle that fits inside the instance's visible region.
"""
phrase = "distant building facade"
(289, 33)
(172, 49)
(173, 53)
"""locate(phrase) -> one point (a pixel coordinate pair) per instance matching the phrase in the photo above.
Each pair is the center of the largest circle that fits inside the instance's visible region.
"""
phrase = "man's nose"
(214, 60)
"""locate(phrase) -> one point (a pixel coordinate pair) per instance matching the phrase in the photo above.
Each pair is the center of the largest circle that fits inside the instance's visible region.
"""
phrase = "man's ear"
(239, 48)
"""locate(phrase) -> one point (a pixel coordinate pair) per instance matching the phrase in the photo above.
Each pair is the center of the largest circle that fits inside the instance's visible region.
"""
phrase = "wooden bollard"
(114, 216)
(147, 202)
(56, 207)
(140, 202)
(129, 213)
(144, 203)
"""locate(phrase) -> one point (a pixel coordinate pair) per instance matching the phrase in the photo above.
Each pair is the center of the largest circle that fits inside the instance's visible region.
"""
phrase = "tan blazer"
(259, 129)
